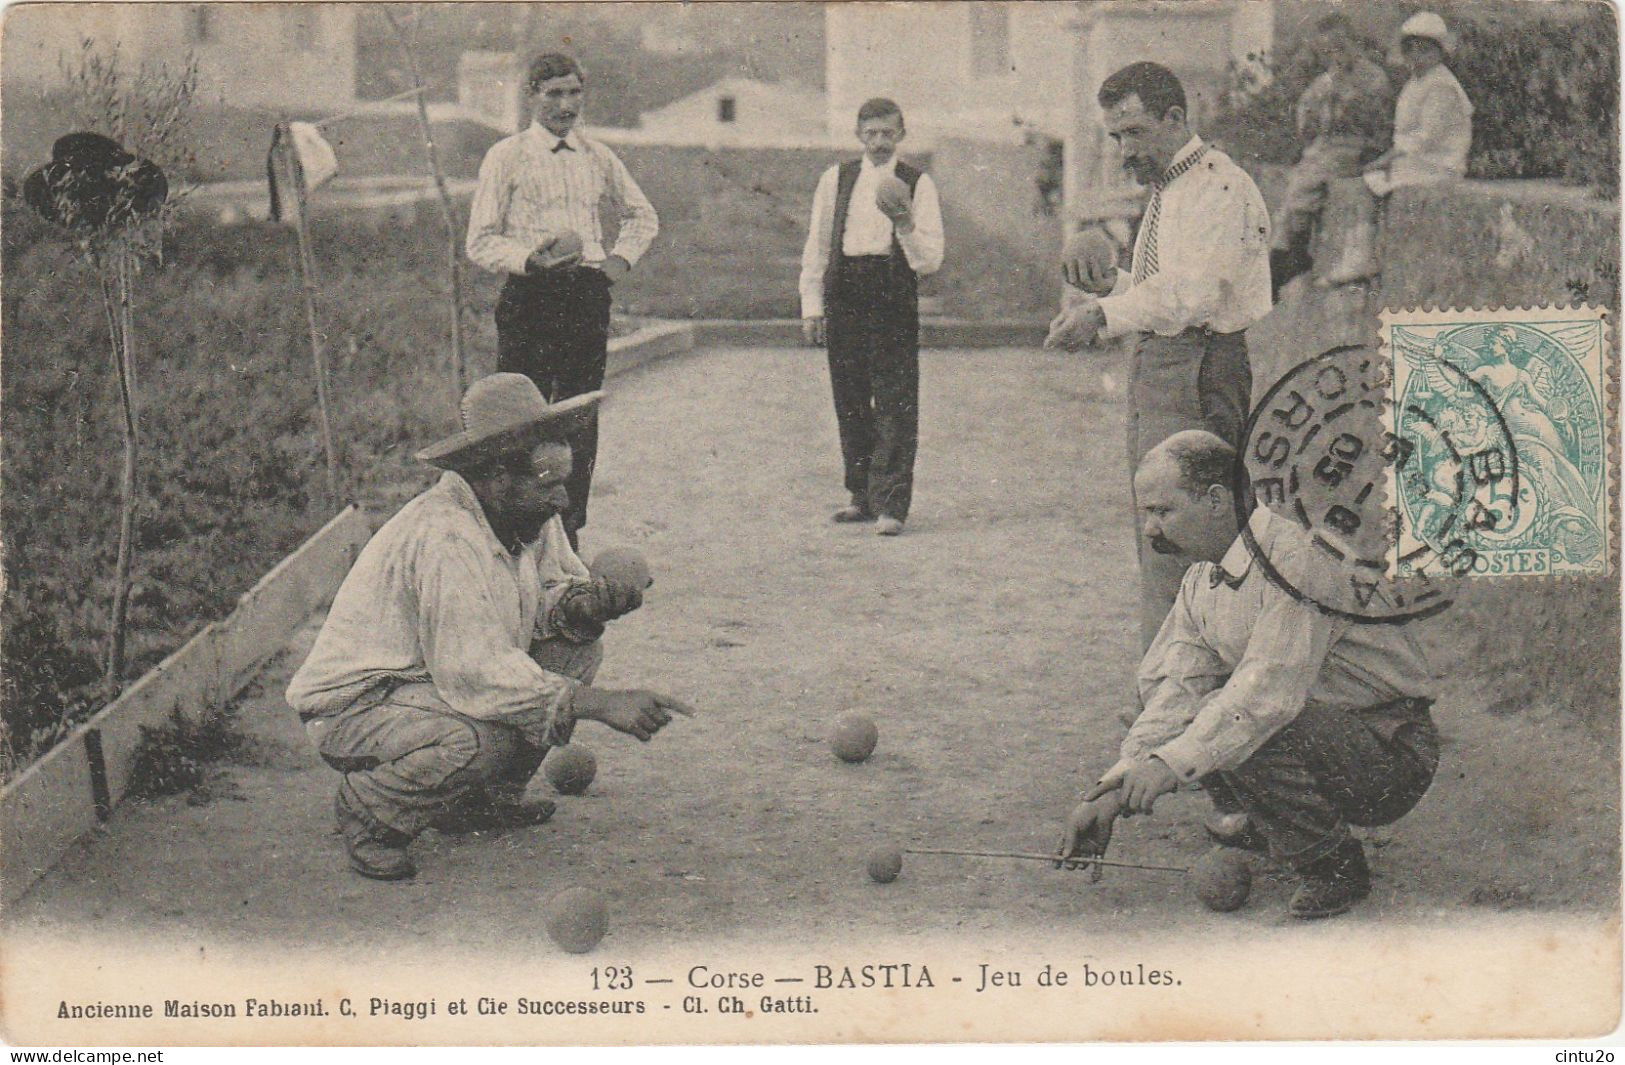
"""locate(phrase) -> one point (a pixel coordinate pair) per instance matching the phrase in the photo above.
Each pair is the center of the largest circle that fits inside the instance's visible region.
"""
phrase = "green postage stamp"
(1506, 421)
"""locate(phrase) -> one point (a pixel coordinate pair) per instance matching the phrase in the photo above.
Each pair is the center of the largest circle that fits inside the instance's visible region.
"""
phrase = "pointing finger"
(675, 705)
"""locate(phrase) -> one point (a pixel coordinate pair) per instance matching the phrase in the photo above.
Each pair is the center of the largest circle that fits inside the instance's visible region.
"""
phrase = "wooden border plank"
(651, 343)
(65, 793)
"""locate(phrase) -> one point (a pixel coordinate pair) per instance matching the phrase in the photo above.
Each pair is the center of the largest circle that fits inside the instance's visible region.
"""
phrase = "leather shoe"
(851, 514)
(375, 850)
(887, 526)
(487, 816)
(378, 860)
(1333, 884)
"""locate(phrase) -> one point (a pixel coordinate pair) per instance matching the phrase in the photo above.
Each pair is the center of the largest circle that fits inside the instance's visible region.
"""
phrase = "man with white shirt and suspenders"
(1200, 276)
(535, 217)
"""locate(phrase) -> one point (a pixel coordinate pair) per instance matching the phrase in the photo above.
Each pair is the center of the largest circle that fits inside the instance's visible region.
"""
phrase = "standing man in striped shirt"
(1200, 276)
(535, 218)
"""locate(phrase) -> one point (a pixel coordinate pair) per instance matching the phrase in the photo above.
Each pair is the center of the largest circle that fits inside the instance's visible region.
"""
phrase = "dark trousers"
(1197, 379)
(553, 327)
(873, 335)
(1329, 769)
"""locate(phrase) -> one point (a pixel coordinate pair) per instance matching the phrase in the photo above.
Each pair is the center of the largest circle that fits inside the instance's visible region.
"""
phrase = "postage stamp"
(1508, 417)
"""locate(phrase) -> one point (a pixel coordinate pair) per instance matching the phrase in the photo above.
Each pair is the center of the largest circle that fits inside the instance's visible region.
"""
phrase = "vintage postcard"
(774, 523)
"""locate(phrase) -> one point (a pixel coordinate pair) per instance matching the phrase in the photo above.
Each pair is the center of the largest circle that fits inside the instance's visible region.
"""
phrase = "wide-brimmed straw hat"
(1427, 24)
(506, 411)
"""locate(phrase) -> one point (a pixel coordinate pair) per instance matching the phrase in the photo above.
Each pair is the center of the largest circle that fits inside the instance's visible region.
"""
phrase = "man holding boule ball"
(464, 642)
(876, 229)
(535, 218)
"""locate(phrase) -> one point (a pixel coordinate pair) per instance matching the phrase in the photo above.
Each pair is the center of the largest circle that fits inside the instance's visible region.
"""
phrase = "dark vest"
(845, 179)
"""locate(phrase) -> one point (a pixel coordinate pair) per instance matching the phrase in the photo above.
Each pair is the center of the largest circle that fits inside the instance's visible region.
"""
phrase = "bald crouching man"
(463, 643)
(1306, 722)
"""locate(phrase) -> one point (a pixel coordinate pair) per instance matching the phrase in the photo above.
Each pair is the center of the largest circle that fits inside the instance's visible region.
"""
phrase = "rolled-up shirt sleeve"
(487, 245)
(560, 571)
(815, 253)
(471, 657)
(1265, 692)
(923, 245)
(1199, 269)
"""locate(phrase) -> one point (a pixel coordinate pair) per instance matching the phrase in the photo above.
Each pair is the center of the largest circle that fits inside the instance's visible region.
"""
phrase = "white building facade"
(1007, 72)
(295, 56)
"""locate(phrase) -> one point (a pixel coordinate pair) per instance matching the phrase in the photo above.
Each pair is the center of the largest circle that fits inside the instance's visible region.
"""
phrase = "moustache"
(1164, 546)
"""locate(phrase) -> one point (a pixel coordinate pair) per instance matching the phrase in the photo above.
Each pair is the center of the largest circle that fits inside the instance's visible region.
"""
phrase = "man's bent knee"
(463, 753)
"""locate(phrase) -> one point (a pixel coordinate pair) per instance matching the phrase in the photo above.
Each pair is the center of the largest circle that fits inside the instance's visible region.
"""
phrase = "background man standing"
(535, 218)
(1200, 277)
(876, 229)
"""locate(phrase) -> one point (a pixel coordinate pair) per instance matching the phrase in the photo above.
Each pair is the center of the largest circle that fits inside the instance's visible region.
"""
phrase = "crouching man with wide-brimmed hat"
(463, 643)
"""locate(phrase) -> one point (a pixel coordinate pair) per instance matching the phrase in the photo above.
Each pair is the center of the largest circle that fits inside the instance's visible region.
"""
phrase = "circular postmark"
(1330, 449)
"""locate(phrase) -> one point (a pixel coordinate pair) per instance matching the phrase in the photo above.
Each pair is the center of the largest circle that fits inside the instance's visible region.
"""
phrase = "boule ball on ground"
(1222, 879)
(570, 769)
(885, 863)
(577, 919)
(854, 737)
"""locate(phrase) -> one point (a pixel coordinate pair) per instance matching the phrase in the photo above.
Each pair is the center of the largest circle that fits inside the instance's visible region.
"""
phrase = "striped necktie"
(1146, 266)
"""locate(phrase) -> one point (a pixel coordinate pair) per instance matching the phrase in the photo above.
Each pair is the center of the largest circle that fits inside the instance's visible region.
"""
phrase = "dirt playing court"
(992, 643)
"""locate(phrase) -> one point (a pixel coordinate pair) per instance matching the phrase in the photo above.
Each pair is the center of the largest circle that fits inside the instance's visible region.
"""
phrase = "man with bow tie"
(535, 218)
(1306, 722)
(1200, 276)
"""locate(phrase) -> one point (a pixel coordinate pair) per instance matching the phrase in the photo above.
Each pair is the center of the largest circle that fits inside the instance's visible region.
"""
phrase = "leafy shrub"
(175, 756)
(231, 459)
(1544, 86)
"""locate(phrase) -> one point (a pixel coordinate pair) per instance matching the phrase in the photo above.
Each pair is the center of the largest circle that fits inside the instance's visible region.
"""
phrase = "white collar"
(456, 488)
(548, 140)
(1238, 560)
(888, 167)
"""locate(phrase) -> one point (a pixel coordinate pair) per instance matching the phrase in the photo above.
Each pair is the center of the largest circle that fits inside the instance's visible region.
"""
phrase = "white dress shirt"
(528, 193)
(1237, 657)
(1213, 256)
(868, 231)
(434, 596)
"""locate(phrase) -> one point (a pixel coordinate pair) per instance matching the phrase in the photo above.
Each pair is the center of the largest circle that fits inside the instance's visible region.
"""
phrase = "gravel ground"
(992, 644)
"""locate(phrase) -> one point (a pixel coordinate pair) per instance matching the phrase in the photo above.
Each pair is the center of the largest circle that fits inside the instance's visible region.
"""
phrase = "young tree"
(106, 190)
(406, 36)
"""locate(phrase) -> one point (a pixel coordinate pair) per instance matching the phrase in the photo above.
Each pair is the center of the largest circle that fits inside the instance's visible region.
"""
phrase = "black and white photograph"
(961, 522)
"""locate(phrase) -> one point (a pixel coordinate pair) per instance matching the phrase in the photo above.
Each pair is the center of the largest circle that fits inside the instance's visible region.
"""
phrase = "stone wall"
(1519, 646)
(1477, 243)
